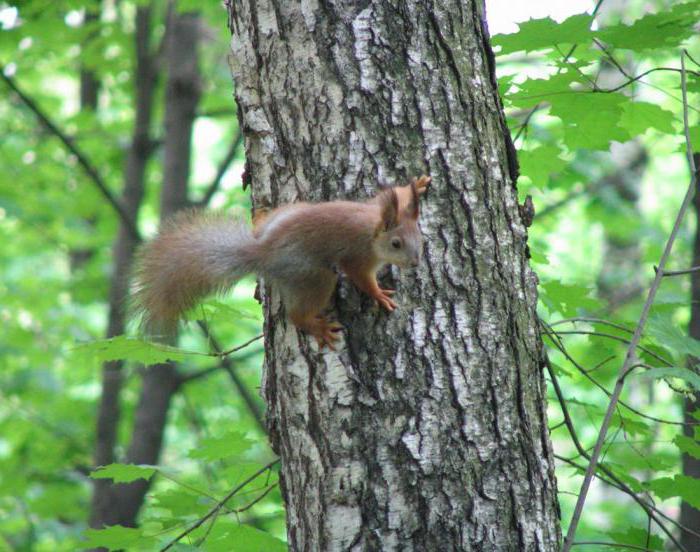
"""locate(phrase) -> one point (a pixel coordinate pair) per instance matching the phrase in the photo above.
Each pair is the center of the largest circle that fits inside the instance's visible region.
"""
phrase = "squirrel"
(297, 248)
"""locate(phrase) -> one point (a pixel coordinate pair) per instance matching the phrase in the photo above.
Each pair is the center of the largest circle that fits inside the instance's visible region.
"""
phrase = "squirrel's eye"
(396, 243)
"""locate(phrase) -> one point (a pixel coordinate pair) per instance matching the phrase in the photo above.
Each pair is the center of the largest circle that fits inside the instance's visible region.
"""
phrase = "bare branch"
(613, 545)
(82, 158)
(223, 167)
(227, 366)
(634, 342)
(587, 373)
(679, 272)
(219, 506)
(582, 451)
(187, 378)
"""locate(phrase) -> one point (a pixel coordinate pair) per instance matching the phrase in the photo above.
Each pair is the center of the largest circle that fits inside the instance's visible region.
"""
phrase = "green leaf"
(537, 34)
(533, 91)
(687, 445)
(673, 372)
(117, 537)
(666, 29)
(233, 443)
(242, 538)
(667, 334)
(638, 537)
(630, 425)
(538, 164)
(182, 503)
(536, 256)
(590, 119)
(566, 298)
(124, 473)
(122, 347)
(624, 473)
(637, 117)
(688, 488)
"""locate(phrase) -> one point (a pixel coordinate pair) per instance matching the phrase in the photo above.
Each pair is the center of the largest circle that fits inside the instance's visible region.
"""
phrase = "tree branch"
(678, 272)
(218, 507)
(634, 342)
(84, 162)
(237, 382)
(223, 167)
(582, 451)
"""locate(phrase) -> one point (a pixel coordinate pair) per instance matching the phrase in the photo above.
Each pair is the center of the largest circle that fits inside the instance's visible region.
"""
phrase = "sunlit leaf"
(122, 347)
(537, 34)
(117, 537)
(123, 473)
(233, 443)
(686, 487)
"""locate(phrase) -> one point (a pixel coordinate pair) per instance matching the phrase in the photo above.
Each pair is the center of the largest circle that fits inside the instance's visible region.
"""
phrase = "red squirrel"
(296, 248)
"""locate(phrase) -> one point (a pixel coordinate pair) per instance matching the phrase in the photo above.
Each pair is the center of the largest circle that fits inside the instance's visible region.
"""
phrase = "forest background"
(594, 103)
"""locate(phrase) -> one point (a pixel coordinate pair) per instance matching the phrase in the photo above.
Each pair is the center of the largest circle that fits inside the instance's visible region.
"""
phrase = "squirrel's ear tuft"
(412, 208)
(389, 205)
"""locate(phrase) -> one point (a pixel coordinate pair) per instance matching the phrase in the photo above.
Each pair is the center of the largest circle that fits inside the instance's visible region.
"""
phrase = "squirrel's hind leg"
(305, 299)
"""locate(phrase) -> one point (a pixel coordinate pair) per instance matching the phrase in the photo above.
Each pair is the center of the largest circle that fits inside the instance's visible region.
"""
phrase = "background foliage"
(594, 107)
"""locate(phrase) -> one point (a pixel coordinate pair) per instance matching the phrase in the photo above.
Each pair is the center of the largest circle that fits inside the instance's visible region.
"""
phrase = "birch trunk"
(427, 430)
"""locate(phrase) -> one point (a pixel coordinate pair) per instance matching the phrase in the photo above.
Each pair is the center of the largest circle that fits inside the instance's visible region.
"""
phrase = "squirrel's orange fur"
(297, 248)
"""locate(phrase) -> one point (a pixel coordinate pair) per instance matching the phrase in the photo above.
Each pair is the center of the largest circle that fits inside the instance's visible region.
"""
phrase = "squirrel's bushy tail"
(195, 254)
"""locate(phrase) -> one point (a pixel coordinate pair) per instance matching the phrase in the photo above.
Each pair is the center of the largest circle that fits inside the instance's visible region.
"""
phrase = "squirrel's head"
(398, 240)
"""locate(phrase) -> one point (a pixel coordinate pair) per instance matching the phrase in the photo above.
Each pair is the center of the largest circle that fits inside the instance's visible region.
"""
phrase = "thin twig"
(614, 338)
(644, 74)
(219, 506)
(617, 483)
(239, 347)
(679, 272)
(221, 171)
(634, 342)
(226, 365)
(592, 320)
(586, 373)
(613, 545)
(258, 499)
(82, 158)
(193, 376)
(579, 447)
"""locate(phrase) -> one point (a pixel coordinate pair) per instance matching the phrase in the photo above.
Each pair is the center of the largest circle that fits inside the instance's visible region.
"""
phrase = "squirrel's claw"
(328, 334)
(384, 299)
(421, 184)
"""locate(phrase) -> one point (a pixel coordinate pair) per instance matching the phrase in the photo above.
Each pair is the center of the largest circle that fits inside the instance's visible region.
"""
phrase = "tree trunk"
(427, 430)
(120, 504)
(161, 381)
(690, 516)
(102, 511)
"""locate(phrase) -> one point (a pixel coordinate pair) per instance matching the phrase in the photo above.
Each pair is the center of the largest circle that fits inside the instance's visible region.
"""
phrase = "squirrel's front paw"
(383, 297)
(422, 184)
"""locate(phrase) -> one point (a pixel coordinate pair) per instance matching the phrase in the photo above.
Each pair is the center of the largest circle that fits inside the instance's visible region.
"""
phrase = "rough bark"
(427, 430)
(104, 493)
(160, 382)
(690, 516)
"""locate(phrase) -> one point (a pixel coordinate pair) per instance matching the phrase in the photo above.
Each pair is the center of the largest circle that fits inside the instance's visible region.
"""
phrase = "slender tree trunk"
(160, 382)
(690, 516)
(102, 511)
(427, 430)
(89, 91)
